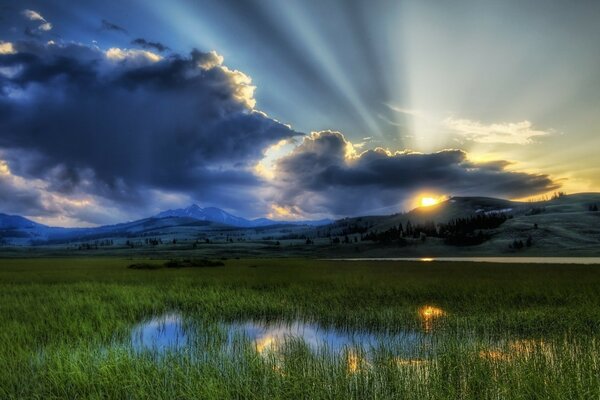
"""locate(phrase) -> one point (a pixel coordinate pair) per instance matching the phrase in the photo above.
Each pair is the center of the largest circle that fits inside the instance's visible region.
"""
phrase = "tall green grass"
(509, 331)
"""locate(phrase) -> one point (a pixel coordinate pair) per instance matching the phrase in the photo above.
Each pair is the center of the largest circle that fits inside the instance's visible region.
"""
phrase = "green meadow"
(485, 331)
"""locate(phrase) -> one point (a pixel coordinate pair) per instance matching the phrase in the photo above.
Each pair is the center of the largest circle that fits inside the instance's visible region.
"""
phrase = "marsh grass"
(507, 332)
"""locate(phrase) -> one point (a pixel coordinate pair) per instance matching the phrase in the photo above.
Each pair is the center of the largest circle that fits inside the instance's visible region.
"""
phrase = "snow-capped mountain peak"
(212, 214)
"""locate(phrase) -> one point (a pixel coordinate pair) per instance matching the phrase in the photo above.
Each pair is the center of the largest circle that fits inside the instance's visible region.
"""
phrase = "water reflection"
(503, 260)
(272, 336)
(171, 332)
(163, 333)
(428, 315)
(521, 348)
(355, 361)
(359, 350)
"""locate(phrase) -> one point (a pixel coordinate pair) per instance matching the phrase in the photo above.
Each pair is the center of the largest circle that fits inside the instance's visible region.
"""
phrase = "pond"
(172, 332)
(161, 333)
(359, 349)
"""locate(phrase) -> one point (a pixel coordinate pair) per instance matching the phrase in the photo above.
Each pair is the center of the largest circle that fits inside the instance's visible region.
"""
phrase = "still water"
(162, 333)
(504, 260)
(171, 332)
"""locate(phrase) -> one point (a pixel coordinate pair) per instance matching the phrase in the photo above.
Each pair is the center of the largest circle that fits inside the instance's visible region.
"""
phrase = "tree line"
(458, 232)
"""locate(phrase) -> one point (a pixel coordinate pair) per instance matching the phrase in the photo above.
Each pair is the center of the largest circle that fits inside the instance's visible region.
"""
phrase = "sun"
(428, 201)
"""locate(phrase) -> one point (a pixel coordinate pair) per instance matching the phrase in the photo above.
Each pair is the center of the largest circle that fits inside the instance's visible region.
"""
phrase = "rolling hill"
(16, 230)
(217, 215)
(564, 225)
(185, 222)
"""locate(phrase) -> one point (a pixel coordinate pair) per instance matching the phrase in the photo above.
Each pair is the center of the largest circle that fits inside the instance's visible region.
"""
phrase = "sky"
(113, 111)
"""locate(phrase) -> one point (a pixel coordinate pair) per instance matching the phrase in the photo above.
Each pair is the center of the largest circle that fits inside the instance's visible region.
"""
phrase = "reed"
(501, 331)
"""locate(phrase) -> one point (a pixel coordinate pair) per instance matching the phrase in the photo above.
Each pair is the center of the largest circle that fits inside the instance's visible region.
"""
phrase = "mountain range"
(18, 230)
(563, 225)
(217, 215)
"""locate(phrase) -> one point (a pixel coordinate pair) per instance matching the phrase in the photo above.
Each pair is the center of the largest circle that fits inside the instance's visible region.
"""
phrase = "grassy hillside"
(564, 226)
(560, 226)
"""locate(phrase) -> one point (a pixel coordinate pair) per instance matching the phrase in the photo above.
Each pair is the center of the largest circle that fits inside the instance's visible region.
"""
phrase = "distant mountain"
(564, 225)
(211, 214)
(8, 222)
(17, 230)
(217, 215)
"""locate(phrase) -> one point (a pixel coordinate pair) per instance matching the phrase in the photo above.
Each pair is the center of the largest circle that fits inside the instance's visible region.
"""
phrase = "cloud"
(506, 133)
(285, 212)
(101, 135)
(324, 174)
(116, 125)
(32, 15)
(109, 26)
(208, 60)
(45, 26)
(6, 48)
(150, 45)
(35, 198)
(132, 56)
(407, 111)
(509, 133)
(32, 198)
(16, 197)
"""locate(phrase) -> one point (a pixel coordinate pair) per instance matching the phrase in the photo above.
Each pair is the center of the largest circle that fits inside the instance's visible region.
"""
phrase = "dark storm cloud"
(145, 44)
(109, 26)
(20, 199)
(32, 33)
(324, 175)
(119, 123)
(36, 198)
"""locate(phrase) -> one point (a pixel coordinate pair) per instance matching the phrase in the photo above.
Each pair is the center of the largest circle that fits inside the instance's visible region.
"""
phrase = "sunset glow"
(430, 200)
(299, 199)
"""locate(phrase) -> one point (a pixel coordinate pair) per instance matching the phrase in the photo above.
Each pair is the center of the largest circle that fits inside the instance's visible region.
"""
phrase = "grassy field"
(500, 331)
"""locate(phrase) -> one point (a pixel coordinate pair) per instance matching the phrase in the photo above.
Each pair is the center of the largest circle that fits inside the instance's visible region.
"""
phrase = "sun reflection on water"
(355, 361)
(428, 315)
(517, 348)
(265, 343)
